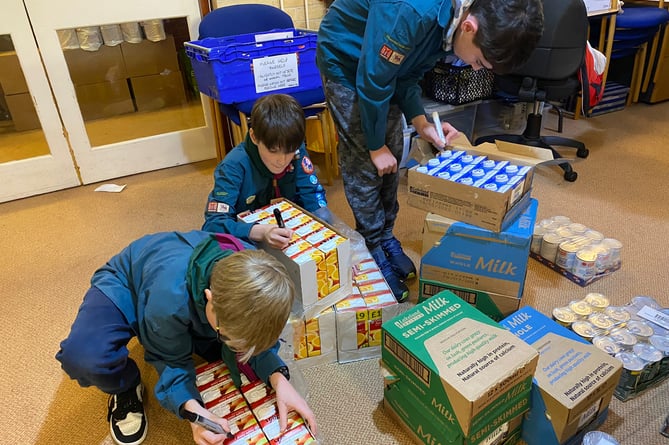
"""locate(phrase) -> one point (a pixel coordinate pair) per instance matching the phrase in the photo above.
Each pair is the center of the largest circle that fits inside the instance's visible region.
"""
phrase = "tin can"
(599, 438)
(537, 237)
(623, 337)
(566, 254)
(598, 301)
(577, 228)
(580, 308)
(632, 367)
(593, 235)
(606, 344)
(615, 247)
(584, 264)
(652, 356)
(661, 342)
(585, 329)
(564, 232)
(564, 220)
(549, 246)
(564, 316)
(641, 330)
(619, 314)
(644, 300)
(603, 260)
(601, 321)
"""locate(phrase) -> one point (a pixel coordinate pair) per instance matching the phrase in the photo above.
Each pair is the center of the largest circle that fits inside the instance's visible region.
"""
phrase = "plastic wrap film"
(90, 38)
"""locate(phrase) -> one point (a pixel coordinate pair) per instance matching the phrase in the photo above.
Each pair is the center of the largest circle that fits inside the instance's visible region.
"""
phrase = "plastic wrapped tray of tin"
(637, 334)
(574, 250)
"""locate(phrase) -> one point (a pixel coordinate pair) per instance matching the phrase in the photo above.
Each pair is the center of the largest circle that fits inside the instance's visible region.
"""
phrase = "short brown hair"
(252, 295)
(278, 122)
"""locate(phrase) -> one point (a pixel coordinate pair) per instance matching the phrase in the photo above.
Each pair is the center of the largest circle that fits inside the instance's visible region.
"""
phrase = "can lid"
(631, 361)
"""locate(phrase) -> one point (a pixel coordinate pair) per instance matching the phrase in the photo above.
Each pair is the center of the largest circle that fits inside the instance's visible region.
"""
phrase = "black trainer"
(400, 261)
(397, 286)
(127, 420)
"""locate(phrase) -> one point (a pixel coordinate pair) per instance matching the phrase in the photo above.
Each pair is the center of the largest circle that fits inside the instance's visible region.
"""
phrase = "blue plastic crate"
(224, 66)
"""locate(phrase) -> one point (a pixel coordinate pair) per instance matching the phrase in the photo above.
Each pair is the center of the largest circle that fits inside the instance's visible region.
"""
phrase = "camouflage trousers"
(372, 199)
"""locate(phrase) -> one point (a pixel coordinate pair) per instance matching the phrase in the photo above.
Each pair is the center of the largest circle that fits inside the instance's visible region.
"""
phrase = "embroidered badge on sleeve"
(391, 55)
(218, 207)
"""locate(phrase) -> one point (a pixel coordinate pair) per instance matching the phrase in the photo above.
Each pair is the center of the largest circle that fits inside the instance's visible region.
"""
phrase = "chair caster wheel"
(570, 176)
(582, 152)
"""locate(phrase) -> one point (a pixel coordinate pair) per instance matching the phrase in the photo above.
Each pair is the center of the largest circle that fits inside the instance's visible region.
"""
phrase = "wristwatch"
(283, 370)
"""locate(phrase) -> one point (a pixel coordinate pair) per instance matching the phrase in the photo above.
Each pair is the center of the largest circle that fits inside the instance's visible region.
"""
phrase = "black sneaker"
(397, 286)
(400, 261)
(126, 417)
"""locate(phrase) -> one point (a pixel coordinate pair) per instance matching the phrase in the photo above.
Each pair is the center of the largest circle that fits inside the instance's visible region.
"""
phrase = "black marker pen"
(279, 218)
(206, 423)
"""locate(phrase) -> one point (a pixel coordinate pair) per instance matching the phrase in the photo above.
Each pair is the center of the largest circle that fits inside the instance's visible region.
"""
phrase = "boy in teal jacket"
(373, 54)
(272, 162)
(179, 294)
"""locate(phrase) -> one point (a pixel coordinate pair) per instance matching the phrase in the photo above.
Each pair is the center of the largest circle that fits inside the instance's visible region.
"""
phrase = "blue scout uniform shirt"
(149, 282)
(381, 49)
(240, 186)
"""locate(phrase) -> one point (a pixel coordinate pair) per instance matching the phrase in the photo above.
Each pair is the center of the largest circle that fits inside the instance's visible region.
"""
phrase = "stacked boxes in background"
(318, 258)
(15, 95)
(483, 267)
(573, 384)
(251, 410)
(454, 375)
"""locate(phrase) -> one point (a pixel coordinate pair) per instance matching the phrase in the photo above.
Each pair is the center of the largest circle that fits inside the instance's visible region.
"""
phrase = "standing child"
(272, 162)
(372, 54)
(179, 294)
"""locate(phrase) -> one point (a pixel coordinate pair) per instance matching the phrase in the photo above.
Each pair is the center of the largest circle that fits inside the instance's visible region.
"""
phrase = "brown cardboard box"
(88, 67)
(147, 57)
(23, 112)
(491, 210)
(104, 99)
(11, 74)
(158, 91)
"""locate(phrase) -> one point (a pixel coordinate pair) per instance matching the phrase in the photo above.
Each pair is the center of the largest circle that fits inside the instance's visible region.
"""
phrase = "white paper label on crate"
(259, 38)
(654, 316)
(589, 414)
(275, 73)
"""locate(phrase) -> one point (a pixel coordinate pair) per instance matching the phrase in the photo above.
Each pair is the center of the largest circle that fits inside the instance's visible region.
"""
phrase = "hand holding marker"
(279, 218)
(437, 125)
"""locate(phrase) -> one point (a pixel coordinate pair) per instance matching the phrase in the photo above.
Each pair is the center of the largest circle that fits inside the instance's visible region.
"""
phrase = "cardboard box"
(158, 91)
(306, 269)
(488, 209)
(23, 113)
(459, 362)
(105, 99)
(426, 427)
(12, 79)
(574, 381)
(477, 261)
(495, 306)
(88, 67)
(147, 58)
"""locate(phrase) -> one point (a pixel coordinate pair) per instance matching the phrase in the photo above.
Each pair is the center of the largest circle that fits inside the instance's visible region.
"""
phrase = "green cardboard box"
(458, 362)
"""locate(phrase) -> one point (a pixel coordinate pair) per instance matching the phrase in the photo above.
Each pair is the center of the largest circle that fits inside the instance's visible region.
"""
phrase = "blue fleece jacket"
(381, 49)
(150, 281)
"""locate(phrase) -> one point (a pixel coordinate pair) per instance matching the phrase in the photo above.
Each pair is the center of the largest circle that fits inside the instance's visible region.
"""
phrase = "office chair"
(550, 75)
(254, 18)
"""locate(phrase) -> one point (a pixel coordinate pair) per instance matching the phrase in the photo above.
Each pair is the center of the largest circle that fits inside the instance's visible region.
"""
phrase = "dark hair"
(508, 31)
(278, 122)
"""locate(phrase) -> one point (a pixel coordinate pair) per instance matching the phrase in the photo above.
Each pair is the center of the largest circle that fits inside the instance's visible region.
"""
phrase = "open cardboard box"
(574, 381)
(484, 208)
(460, 363)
